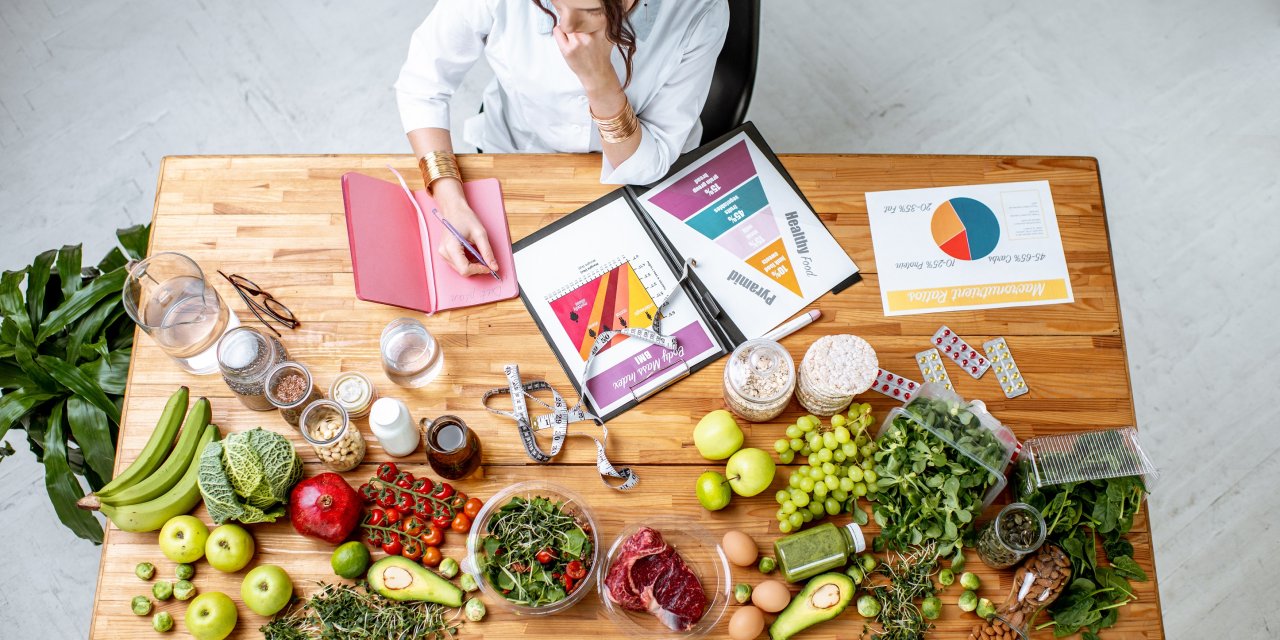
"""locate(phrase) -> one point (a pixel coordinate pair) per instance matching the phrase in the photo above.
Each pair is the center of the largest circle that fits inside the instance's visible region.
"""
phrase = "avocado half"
(823, 598)
(402, 579)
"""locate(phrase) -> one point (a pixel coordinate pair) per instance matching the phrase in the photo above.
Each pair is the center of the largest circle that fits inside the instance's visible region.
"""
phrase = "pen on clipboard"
(795, 324)
(461, 240)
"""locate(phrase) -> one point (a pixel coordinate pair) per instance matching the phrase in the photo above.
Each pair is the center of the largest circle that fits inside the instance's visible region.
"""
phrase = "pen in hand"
(467, 246)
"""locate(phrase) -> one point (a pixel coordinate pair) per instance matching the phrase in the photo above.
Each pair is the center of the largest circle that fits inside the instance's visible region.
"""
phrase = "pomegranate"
(325, 507)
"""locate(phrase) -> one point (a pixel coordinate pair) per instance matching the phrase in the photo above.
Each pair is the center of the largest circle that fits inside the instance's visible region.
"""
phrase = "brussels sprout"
(141, 605)
(183, 590)
(868, 606)
(931, 607)
(185, 571)
(868, 562)
(162, 622)
(467, 582)
(162, 590)
(767, 565)
(145, 571)
(946, 577)
(742, 593)
(986, 608)
(448, 567)
(855, 573)
(970, 581)
(968, 601)
(475, 610)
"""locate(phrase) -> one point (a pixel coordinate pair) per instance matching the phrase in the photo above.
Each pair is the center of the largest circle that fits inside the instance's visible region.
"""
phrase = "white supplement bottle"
(390, 421)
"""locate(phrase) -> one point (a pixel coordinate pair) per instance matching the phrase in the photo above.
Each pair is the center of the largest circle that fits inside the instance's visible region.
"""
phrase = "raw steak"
(649, 575)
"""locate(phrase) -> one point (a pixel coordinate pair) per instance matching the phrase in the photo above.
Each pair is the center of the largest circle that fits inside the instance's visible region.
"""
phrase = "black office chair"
(735, 74)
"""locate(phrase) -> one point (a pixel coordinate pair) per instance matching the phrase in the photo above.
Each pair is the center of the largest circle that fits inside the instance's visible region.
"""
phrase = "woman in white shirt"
(624, 77)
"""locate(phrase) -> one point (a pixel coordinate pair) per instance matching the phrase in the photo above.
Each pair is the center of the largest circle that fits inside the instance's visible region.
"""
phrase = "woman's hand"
(588, 56)
(454, 208)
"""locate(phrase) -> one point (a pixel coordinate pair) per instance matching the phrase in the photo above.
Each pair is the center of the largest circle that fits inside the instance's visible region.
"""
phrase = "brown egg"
(771, 596)
(739, 548)
(746, 624)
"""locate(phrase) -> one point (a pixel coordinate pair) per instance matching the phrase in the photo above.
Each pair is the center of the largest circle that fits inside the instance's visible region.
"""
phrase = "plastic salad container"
(478, 557)
(993, 453)
(701, 553)
(1082, 457)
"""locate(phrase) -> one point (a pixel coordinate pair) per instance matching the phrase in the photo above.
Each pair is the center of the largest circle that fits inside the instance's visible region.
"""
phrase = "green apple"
(229, 548)
(182, 538)
(750, 471)
(266, 589)
(211, 616)
(713, 491)
(717, 435)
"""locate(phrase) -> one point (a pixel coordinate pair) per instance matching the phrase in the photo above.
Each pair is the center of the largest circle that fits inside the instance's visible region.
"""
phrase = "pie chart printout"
(965, 229)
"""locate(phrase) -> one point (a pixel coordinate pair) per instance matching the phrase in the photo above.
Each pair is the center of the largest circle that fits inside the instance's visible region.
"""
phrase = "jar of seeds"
(759, 379)
(290, 389)
(1016, 531)
(834, 370)
(1037, 583)
(336, 441)
(244, 357)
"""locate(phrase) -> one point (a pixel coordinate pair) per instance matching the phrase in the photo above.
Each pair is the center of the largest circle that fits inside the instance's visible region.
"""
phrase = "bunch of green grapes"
(840, 457)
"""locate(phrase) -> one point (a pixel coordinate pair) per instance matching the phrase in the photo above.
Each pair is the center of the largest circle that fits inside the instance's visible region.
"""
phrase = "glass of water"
(168, 296)
(411, 356)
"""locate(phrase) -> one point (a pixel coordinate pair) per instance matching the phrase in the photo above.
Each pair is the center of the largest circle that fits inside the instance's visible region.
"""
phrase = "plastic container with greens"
(1083, 457)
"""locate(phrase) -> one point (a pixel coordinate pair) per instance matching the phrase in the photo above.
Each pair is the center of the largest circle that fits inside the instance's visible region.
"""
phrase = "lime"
(350, 560)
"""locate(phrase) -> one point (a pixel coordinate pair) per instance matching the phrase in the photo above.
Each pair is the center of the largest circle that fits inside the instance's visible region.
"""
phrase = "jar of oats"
(336, 441)
(759, 379)
(833, 371)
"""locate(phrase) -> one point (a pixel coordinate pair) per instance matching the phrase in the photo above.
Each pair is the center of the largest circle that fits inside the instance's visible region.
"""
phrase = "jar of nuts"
(335, 440)
(759, 379)
(997, 628)
(290, 389)
(1039, 580)
(833, 371)
(1016, 531)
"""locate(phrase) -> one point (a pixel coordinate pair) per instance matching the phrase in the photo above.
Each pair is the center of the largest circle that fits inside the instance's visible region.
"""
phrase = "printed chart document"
(968, 247)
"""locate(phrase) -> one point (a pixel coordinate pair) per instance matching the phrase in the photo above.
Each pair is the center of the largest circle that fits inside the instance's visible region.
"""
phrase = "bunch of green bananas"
(162, 481)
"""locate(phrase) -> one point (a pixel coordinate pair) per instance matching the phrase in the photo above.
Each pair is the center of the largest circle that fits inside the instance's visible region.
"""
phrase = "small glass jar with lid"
(245, 355)
(337, 442)
(759, 379)
(290, 389)
(1016, 531)
(817, 549)
(355, 392)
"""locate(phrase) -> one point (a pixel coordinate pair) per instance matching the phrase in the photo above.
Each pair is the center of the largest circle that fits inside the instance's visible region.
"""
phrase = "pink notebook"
(393, 250)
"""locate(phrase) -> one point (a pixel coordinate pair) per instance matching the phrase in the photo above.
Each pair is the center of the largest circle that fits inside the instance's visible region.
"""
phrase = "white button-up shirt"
(536, 104)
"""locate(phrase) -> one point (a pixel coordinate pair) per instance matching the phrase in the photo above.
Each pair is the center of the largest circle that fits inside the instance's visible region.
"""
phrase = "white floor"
(1177, 98)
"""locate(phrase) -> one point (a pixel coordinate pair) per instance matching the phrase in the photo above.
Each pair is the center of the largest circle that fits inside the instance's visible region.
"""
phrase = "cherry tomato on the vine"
(472, 507)
(461, 523)
(406, 502)
(392, 546)
(442, 521)
(387, 472)
(432, 536)
(457, 502)
(443, 491)
(392, 516)
(374, 518)
(431, 556)
(404, 483)
(412, 548)
(423, 485)
(412, 526)
(387, 499)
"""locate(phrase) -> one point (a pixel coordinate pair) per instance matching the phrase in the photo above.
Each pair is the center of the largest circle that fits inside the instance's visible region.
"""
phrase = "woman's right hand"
(454, 208)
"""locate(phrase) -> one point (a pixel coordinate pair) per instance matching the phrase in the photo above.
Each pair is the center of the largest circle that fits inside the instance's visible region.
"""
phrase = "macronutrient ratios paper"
(968, 247)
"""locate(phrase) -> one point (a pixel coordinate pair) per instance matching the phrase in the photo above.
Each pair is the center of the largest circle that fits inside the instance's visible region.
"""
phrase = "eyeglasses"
(273, 308)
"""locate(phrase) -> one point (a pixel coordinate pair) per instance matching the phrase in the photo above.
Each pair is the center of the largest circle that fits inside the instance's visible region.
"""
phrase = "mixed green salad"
(535, 552)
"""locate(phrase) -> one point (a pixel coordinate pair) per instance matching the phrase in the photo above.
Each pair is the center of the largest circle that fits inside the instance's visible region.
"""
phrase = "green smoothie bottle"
(818, 549)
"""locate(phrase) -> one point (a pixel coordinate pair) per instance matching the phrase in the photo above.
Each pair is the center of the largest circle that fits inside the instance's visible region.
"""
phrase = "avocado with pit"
(823, 598)
(402, 579)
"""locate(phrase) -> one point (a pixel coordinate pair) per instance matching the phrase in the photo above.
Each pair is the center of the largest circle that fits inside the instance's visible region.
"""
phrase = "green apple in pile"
(713, 491)
(229, 548)
(266, 589)
(750, 471)
(717, 435)
(211, 616)
(182, 538)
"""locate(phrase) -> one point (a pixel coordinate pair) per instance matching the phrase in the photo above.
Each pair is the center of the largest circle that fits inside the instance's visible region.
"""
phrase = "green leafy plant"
(65, 343)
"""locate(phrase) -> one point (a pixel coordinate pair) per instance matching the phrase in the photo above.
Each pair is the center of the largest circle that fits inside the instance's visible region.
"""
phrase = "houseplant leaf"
(11, 306)
(24, 354)
(80, 303)
(69, 261)
(93, 434)
(15, 404)
(134, 240)
(12, 377)
(37, 278)
(80, 384)
(112, 261)
(64, 489)
(90, 326)
(111, 373)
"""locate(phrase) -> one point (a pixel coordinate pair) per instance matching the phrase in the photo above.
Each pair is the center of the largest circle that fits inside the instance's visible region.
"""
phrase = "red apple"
(325, 507)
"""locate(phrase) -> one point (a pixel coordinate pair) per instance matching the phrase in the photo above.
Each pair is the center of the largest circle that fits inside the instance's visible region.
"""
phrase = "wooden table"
(279, 220)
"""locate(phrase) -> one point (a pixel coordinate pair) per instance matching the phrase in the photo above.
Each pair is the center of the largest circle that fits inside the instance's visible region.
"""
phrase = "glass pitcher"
(168, 296)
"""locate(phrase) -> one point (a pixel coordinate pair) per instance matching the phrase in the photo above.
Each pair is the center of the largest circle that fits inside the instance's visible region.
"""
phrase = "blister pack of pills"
(932, 368)
(895, 386)
(1005, 369)
(965, 356)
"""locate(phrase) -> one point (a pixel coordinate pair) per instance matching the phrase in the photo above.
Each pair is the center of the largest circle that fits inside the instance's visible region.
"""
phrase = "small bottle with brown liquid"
(453, 450)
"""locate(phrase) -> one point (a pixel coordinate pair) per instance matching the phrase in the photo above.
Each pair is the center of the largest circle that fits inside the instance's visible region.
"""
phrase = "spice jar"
(759, 379)
(245, 355)
(290, 389)
(834, 370)
(1039, 580)
(355, 392)
(1016, 531)
(817, 549)
(335, 440)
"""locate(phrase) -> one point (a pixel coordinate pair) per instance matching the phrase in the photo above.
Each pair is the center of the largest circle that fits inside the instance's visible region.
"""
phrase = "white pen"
(791, 326)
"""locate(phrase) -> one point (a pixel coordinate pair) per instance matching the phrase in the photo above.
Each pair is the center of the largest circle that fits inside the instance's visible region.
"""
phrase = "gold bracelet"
(437, 165)
(619, 128)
